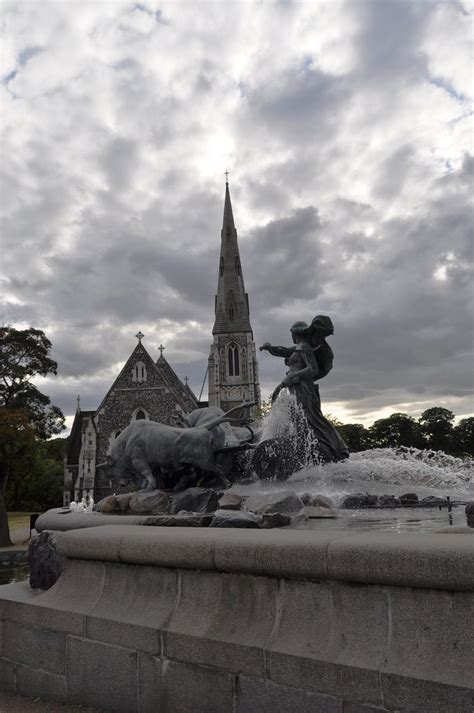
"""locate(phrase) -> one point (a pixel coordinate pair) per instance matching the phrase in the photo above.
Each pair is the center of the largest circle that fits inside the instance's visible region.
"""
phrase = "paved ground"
(10, 703)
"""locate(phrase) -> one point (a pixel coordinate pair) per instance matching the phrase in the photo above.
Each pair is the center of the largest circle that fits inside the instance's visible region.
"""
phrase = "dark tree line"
(434, 429)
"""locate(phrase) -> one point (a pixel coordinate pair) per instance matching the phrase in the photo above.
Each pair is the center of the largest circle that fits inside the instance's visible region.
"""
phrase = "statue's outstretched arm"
(284, 352)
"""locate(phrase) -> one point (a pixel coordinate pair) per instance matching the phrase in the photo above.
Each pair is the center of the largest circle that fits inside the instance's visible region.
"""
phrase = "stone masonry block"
(409, 695)
(195, 689)
(7, 675)
(168, 547)
(335, 625)
(117, 633)
(34, 683)
(426, 560)
(134, 604)
(324, 677)
(34, 614)
(432, 635)
(351, 707)
(35, 647)
(150, 684)
(257, 696)
(277, 553)
(78, 587)
(101, 675)
(223, 620)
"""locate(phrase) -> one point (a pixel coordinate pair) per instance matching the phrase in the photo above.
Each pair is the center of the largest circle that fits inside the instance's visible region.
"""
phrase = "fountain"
(317, 606)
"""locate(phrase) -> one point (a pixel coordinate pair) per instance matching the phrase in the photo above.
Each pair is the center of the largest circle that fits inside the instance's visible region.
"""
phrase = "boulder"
(194, 500)
(107, 505)
(353, 502)
(432, 500)
(470, 513)
(153, 502)
(274, 519)
(286, 502)
(45, 563)
(388, 501)
(123, 501)
(408, 499)
(316, 512)
(230, 518)
(230, 501)
(316, 500)
(188, 519)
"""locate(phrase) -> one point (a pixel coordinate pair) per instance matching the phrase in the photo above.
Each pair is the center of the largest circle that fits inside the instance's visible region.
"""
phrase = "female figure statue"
(304, 369)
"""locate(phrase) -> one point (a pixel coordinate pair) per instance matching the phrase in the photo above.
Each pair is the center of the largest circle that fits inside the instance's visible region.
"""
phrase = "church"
(149, 389)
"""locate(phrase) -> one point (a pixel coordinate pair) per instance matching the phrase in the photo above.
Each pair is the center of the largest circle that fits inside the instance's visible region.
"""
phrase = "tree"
(25, 354)
(437, 426)
(356, 436)
(26, 414)
(463, 437)
(17, 438)
(399, 429)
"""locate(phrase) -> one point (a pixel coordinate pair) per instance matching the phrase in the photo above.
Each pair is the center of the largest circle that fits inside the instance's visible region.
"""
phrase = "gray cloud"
(350, 178)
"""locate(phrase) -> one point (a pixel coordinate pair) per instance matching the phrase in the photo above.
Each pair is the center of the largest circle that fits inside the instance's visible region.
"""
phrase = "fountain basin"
(248, 620)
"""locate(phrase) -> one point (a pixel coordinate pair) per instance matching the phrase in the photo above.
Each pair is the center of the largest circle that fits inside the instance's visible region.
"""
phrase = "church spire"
(231, 305)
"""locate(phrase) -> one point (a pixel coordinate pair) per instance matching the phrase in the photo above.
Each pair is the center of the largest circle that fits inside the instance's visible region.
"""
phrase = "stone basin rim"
(427, 560)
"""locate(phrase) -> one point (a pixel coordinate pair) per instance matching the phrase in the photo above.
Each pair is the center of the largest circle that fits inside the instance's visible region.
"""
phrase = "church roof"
(183, 393)
(232, 308)
(74, 441)
(158, 374)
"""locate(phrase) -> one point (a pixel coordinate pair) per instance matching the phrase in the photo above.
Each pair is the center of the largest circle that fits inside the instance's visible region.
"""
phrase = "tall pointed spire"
(231, 306)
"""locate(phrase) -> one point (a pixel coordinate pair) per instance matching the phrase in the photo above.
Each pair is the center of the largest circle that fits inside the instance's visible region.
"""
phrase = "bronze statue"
(309, 360)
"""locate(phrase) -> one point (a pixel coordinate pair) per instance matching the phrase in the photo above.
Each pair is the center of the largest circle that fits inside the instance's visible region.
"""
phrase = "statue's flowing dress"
(330, 442)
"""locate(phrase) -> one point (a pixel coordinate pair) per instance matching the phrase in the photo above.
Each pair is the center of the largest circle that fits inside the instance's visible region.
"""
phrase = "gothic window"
(140, 415)
(231, 314)
(221, 266)
(233, 363)
(139, 372)
(237, 265)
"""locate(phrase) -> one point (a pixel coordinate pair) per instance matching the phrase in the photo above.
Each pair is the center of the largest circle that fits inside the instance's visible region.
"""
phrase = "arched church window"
(139, 372)
(237, 265)
(231, 314)
(233, 362)
(221, 266)
(140, 415)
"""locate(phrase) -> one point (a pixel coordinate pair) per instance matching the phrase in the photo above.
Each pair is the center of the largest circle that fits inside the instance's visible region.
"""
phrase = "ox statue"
(152, 450)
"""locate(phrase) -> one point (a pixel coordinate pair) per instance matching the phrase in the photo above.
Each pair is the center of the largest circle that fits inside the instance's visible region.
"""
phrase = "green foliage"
(356, 436)
(30, 468)
(437, 426)
(397, 430)
(24, 354)
(463, 437)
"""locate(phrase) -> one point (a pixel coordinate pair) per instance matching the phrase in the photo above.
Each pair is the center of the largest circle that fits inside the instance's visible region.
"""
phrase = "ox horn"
(220, 419)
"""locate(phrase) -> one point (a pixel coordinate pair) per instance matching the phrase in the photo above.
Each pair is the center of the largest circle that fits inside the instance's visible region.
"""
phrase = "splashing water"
(378, 471)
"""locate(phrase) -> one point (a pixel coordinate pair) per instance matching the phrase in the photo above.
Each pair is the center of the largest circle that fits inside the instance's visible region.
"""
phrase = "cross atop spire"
(161, 349)
(226, 174)
(139, 336)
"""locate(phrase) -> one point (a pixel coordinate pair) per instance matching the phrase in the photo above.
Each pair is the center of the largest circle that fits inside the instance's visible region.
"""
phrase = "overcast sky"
(347, 131)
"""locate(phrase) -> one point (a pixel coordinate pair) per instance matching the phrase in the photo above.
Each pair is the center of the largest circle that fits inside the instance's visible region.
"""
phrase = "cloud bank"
(346, 128)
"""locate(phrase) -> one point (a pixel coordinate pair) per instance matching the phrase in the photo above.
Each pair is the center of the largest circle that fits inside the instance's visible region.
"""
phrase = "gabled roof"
(124, 379)
(184, 395)
(74, 440)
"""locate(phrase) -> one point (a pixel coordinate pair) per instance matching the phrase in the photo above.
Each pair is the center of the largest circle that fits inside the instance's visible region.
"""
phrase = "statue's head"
(323, 325)
(297, 329)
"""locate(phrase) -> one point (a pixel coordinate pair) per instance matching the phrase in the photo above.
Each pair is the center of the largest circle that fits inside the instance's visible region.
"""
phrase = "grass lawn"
(18, 520)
